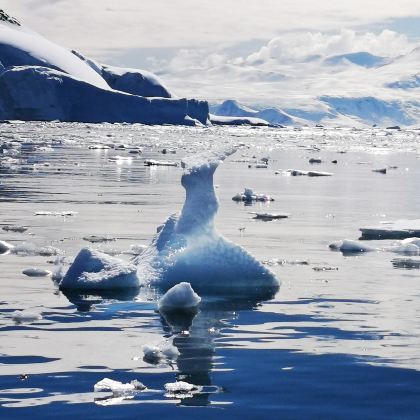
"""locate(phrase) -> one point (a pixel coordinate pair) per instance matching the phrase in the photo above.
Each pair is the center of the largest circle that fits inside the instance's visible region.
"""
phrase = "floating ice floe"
(164, 352)
(178, 298)
(36, 272)
(118, 388)
(93, 270)
(408, 248)
(97, 239)
(406, 262)
(5, 247)
(21, 317)
(27, 249)
(19, 229)
(188, 247)
(56, 213)
(400, 229)
(153, 162)
(380, 170)
(269, 216)
(248, 196)
(180, 389)
(299, 172)
(349, 246)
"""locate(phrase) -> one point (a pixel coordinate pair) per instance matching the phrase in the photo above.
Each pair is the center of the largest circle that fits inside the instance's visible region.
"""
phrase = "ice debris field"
(130, 278)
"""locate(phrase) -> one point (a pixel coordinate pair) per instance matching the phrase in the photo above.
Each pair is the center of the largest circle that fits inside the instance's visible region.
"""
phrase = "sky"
(196, 45)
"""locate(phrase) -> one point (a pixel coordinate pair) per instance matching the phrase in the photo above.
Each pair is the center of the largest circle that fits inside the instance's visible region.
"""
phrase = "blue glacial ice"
(189, 248)
(93, 270)
(180, 297)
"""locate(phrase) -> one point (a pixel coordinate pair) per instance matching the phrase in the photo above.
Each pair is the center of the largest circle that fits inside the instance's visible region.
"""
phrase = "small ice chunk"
(269, 216)
(180, 297)
(5, 247)
(24, 316)
(162, 352)
(118, 388)
(319, 173)
(407, 248)
(347, 245)
(153, 162)
(93, 270)
(56, 213)
(406, 263)
(380, 170)
(26, 249)
(36, 272)
(248, 196)
(97, 239)
(180, 387)
(414, 241)
(19, 229)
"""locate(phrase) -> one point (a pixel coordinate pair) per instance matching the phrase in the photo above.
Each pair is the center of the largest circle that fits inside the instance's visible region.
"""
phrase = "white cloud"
(93, 26)
(299, 46)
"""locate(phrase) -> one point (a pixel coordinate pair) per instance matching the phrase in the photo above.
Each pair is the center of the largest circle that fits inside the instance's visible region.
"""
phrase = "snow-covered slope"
(40, 80)
(231, 108)
(134, 81)
(21, 47)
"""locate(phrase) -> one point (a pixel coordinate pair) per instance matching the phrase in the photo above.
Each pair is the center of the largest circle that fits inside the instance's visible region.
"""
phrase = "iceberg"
(400, 229)
(178, 298)
(93, 270)
(42, 81)
(349, 246)
(189, 248)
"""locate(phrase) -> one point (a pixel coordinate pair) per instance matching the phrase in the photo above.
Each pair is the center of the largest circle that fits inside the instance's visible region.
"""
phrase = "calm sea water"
(343, 342)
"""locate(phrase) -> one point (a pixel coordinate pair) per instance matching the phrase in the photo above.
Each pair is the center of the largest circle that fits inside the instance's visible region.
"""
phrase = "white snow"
(233, 110)
(25, 316)
(180, 297)
(20, 46)
(93, 270)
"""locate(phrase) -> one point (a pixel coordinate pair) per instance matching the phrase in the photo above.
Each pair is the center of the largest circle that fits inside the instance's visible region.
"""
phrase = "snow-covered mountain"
(40, 80)
(231, 108)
